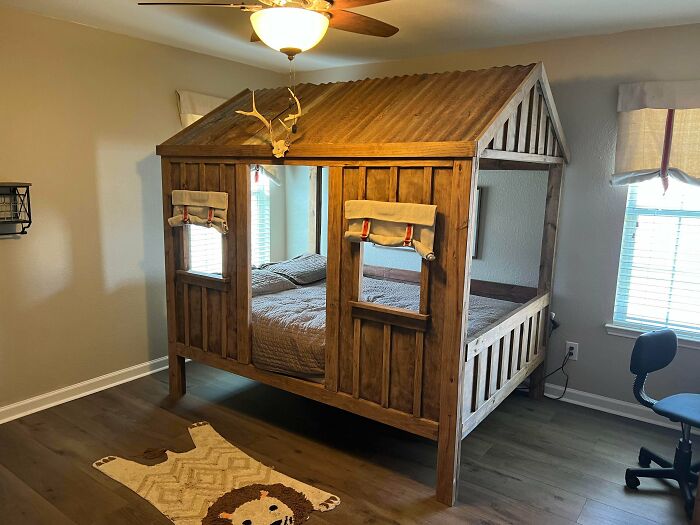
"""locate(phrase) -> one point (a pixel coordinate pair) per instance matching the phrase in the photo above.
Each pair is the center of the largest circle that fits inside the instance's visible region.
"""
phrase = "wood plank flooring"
(530, 462)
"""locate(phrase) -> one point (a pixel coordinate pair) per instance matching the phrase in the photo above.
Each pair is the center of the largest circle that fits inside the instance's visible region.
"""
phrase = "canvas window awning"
(658, 132)
(201, 208)
(392, 224)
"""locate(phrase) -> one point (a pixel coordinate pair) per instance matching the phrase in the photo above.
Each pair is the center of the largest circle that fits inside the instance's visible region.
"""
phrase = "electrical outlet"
(572, 349)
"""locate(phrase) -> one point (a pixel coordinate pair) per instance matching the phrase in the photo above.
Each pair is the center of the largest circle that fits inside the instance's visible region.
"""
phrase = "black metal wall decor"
(15, 207)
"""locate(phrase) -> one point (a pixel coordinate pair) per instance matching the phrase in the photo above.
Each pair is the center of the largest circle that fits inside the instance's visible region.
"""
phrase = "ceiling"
(427, 27)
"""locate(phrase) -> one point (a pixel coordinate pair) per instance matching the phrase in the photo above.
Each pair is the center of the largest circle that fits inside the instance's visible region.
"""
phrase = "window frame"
(620, 324)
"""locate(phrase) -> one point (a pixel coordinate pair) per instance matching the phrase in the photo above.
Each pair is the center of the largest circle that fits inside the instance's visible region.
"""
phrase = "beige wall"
(585, 73)
(83, 293)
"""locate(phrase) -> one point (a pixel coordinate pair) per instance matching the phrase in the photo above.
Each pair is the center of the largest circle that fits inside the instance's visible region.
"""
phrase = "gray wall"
(83, 294)
(584, 73)
(510, 226)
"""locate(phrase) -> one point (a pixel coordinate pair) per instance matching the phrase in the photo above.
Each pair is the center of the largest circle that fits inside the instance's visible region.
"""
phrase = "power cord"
(554, 326)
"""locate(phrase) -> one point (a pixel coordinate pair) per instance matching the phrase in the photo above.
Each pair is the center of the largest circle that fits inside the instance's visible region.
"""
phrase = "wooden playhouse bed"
(416, 139)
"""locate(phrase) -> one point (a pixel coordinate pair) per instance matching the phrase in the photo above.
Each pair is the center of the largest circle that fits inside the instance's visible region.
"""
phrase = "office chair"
(654, 351)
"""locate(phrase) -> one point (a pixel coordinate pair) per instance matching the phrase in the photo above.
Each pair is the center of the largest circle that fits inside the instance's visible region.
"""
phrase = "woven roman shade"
(392, 224)
(658, 132)
(201, 208)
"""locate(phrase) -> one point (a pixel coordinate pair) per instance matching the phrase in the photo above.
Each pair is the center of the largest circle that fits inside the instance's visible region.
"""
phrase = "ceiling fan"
(293, 26)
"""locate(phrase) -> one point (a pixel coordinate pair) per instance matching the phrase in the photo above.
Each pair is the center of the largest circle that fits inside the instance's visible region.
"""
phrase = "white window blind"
(659, 275)
(260, 218)
(205, 250)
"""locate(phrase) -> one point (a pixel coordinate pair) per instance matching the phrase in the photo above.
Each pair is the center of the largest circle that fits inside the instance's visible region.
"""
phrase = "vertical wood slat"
(224, 238)
(498, 138)
(356, 346)
(335, 224)
(468, 392)
(386, 361)
(224, 331)
(550, 138)
(493, 369)
(243, 277)
(230, 260)
(505, 363)
(518, 351)
(481, 378)
(185, 230)
(186, 306)
(542, 127)
(362, 189)
(393, 184)
(511, 126)
(427, 198)
(418, 375)
(532, 339)
(523, 123)
(205, 320)
(533, 120)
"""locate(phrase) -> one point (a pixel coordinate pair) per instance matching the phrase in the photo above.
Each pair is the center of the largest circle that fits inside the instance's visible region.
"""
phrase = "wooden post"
(176, 363)
(549, 243)
(243, 272)
(457, 263)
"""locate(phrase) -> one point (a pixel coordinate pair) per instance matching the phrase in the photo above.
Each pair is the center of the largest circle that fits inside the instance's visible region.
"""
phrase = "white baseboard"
(69, 393)
(612, 406)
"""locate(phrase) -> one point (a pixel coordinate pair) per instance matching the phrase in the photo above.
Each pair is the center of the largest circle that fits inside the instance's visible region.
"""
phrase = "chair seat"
(683, 408)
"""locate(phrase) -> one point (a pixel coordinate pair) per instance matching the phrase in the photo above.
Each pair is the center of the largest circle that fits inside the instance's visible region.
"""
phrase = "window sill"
(633, 333)
(205, 280)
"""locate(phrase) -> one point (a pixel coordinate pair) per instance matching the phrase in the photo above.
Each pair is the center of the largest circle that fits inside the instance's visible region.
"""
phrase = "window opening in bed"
(391, 276)
(205, 250)
(288, 303)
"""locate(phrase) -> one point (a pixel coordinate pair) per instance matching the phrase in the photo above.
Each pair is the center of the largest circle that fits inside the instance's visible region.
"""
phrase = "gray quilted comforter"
(289, 326)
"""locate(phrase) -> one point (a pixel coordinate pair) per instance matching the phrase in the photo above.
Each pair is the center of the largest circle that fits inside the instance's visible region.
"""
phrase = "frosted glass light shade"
(290, 30)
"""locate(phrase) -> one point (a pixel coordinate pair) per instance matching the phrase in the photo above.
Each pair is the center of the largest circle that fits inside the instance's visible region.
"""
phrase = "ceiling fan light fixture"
(289, 30)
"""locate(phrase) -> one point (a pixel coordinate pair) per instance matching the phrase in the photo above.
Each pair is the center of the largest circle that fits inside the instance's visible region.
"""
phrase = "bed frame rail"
(500, 357)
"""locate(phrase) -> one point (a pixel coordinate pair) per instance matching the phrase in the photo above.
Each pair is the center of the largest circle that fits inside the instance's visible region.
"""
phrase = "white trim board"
(612, 406)
(69, 393)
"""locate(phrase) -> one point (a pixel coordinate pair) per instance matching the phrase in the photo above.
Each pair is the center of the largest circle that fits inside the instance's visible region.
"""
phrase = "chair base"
(681, 471)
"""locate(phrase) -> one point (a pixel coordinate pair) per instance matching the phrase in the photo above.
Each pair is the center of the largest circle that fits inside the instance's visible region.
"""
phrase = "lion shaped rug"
(215, 483)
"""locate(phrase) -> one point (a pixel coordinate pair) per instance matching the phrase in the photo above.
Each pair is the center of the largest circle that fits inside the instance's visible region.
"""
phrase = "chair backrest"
(653, 351)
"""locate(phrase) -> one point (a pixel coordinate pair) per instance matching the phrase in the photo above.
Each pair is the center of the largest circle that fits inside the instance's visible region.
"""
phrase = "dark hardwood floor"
(530, 462)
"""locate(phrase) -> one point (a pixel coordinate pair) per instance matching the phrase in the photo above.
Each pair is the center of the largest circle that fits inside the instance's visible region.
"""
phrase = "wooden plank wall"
(202, 311)
(383, 355)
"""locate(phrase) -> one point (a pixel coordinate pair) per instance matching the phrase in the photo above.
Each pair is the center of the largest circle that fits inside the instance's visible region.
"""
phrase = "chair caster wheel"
(644, 460)
(631, 480)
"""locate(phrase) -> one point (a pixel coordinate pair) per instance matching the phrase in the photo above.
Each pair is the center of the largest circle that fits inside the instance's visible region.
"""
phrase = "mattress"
(289, 326)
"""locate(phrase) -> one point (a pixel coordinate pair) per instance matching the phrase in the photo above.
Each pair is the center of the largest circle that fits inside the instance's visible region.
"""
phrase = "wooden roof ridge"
(438, 114)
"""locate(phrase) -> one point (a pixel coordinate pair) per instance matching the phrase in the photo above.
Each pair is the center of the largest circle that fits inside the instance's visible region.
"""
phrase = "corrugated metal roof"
(453, 107)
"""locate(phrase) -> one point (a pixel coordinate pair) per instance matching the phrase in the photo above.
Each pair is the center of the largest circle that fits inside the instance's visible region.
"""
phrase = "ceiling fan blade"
(349, 4)
(204, 4)
(364, 25)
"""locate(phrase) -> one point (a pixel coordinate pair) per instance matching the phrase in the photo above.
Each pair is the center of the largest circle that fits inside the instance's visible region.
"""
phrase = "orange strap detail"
(409, 235)
(364, 235)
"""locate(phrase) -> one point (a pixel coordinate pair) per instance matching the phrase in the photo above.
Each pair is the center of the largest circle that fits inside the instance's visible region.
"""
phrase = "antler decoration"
(279, 146)
(255, 113)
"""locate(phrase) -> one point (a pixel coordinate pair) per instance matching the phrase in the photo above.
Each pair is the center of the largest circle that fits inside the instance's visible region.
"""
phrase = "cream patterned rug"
(217, 484)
